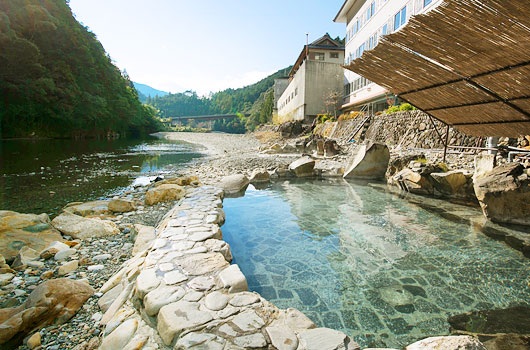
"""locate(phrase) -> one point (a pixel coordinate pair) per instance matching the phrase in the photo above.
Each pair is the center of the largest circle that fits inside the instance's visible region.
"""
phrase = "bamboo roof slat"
(483, 113)
(508, 130)
(466, 62)
(508, 84)
(455, 94)
(524, 103)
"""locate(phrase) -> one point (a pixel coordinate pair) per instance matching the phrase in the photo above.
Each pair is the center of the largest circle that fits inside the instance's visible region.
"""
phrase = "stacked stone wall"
(414, 129)
(410, 129)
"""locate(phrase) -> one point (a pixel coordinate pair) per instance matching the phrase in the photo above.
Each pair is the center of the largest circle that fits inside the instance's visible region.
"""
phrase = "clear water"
(41, 176)
(356, 258)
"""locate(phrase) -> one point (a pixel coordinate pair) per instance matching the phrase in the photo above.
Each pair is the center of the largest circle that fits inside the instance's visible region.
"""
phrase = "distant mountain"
(144, 91)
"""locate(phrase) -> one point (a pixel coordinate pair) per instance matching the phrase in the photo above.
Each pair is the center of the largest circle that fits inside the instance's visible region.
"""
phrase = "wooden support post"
(446, 141)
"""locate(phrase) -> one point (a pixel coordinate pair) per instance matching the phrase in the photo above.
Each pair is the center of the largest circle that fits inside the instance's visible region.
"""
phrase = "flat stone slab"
(248, 321)
(177, 317)
(326, 339)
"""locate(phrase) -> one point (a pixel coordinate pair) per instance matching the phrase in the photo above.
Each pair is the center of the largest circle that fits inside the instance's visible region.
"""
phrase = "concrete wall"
(304, 98)
(291, 104)
(322, 79)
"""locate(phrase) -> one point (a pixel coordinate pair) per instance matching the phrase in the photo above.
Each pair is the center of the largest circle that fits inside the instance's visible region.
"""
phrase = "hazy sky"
(206, 45)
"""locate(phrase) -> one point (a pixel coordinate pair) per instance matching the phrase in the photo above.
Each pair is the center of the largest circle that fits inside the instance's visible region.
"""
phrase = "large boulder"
(412, 181)
(233, 184)
(164, 193)
(181, 181)
(463, 342)
(52, 302)
(19, 230)
(370, 162)
(121, 205)
(82, 228)
(291, 129)
(260, 176)
(504, 194)
(454, 184)
(303, 167)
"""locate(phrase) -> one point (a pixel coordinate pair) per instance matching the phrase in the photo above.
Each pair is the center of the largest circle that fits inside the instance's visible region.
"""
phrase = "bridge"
(204, 117)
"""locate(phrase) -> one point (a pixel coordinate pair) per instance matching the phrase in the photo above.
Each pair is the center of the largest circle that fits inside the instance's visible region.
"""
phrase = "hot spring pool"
(359, 259)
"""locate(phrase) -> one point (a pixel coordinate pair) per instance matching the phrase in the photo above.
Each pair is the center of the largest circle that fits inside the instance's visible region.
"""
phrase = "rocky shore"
(144, 213)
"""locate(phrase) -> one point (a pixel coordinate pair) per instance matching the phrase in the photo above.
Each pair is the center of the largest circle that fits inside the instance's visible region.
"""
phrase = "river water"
(41, 176)
(357, 258)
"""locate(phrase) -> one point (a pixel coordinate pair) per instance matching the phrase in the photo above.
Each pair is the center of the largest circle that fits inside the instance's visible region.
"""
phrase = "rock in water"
(234, 183)
(504, 194)
(260, 176)
(164, 193)
(303, 167)
(79, 227)
(52, 302)
(370, 162)
(511, 320)
(19, 230)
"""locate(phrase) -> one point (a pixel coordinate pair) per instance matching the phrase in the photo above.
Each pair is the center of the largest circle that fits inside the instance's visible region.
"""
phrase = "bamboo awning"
(466, 63)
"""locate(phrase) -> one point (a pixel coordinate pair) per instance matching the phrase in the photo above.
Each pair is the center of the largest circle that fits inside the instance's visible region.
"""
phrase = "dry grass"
(267, 137)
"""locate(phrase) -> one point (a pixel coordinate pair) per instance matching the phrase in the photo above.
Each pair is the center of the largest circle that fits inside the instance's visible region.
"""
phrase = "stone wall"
(414, 129)
(411, 129)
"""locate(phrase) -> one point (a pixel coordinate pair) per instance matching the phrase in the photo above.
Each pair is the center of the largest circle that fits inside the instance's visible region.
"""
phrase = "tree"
(332, 100)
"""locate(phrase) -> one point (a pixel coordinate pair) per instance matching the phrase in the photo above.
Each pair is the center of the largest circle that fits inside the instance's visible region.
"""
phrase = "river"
(42, 176)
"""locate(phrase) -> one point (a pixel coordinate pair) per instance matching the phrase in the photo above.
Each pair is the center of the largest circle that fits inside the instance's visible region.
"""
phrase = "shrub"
(400, 108)
(406, 107)
(322, 118)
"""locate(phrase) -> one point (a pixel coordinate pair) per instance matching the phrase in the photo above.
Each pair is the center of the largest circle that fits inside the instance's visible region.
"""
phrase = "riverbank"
(225, 154)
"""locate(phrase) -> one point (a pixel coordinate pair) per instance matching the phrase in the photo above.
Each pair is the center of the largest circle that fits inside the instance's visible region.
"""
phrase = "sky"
(206, 45)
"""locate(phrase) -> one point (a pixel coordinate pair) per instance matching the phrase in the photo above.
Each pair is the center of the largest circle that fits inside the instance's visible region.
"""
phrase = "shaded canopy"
(466, 63)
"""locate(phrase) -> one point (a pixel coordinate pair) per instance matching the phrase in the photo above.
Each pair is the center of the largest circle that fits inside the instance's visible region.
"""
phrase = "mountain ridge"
(145, 91)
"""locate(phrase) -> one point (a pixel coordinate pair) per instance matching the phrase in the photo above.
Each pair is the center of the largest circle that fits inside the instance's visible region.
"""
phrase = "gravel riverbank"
(227, 154)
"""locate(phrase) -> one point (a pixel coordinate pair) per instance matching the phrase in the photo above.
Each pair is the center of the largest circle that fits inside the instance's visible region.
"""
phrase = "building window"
(384, 31)
(372, 41)
(319, 56)
(347, 89)
(370, 11)
(400, 18)
(333, 55)
(356, 27)
(426, 3)
(360, 50)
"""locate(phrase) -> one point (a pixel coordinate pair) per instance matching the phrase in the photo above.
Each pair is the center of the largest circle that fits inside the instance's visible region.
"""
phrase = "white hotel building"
(366, 22)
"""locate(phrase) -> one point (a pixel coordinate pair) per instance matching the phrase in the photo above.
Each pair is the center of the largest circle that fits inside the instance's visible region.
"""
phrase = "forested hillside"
(56, 79)
(255, 100)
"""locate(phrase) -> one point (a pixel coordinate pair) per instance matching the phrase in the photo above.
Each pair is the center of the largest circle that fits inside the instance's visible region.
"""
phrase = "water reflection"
(359, 259)
(43, 175)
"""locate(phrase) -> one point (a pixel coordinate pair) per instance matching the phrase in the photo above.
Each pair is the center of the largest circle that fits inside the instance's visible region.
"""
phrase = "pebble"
(102, 257)
(95, 268)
